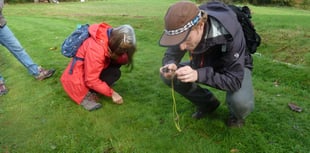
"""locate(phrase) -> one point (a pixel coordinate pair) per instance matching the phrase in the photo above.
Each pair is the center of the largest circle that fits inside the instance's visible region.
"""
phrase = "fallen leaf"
(294, 107)
(53, 48)
(234, 150)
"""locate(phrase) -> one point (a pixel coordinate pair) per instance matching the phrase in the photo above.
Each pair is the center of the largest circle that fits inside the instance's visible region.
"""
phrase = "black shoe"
(234, 122)
(202, 112)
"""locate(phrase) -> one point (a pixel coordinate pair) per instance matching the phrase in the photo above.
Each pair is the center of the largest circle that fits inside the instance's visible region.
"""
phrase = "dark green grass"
(39, 117)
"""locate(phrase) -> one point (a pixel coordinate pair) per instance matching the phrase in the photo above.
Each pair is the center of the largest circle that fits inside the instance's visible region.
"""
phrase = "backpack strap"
(73, 63)
(109, 32)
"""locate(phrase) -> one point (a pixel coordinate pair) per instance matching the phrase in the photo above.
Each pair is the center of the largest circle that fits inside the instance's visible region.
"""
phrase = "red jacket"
(86, 73)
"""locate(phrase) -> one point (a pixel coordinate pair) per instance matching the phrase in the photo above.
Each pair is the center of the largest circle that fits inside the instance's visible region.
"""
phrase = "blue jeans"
(8, 40)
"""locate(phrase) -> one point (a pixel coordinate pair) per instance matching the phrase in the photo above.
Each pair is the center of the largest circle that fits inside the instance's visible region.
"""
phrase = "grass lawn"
(38, 116)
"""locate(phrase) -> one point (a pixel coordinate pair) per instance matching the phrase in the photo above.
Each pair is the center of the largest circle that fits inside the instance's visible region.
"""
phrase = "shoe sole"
(96, 107)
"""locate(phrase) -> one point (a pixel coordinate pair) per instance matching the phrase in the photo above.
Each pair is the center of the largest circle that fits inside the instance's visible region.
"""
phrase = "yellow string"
(174, 109)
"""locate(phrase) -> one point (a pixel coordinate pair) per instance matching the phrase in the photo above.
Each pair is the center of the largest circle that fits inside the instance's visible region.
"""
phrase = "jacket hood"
(220, 27)
(99, 32)
(214, 34)
(223, 14)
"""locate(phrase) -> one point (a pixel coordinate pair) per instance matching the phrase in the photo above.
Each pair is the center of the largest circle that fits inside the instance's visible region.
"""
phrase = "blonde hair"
(123, 40)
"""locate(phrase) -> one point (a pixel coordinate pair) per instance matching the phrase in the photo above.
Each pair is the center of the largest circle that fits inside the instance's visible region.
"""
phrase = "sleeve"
(230, 76)
(173, 55)
(94, 62)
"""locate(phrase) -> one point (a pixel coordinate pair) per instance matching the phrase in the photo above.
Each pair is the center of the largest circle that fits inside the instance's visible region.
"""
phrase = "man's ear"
(201, 25)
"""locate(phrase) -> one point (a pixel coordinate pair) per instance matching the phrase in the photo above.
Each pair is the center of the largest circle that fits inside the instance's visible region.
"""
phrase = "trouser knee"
(180, 87)
(191, 91)
(241, 102)
(241, 109)
(111, 74)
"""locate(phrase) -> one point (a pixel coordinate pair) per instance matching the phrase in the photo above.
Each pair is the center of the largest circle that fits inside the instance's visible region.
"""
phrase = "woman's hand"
(117, 98)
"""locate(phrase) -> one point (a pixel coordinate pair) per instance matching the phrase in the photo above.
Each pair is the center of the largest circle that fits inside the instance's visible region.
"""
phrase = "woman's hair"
(123, 40)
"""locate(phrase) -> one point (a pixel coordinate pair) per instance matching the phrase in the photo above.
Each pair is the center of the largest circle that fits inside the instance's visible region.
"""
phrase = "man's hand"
(117, 98)
(186, 74)
(168, 71)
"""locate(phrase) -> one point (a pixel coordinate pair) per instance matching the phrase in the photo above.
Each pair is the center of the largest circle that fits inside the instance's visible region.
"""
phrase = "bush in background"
(291, 3)
(38, 1)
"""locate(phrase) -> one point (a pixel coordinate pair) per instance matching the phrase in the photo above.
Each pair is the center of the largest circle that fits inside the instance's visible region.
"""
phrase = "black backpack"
(252, 38)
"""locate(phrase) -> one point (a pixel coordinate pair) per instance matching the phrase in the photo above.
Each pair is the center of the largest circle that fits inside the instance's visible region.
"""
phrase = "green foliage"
(17, 1)
(39, 1)
(38, 116)
(292, 3)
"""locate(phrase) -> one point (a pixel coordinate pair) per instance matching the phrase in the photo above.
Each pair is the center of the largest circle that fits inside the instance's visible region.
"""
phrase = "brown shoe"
(90, 102)
(44, 74)
(211, 107)
(3, 89)
(234, 122)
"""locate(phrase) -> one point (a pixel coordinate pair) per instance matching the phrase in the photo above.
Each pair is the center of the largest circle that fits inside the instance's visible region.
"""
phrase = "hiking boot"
(234, 122)
(44, 74)
(90, 102)
(3, 89)
(211, 107)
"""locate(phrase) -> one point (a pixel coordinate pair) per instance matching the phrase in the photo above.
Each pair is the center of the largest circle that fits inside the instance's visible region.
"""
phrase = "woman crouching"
(96, 66)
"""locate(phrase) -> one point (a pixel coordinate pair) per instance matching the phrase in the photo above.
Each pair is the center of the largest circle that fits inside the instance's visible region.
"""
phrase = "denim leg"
(1, 78)
(8, 40)
(241, 102)
(193, 92)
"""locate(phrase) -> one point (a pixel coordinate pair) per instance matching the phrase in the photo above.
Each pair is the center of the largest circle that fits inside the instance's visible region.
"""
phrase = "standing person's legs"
(241, 102)
(8, 40)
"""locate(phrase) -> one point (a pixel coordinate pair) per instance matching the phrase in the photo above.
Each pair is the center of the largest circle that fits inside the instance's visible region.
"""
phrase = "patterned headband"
(185, 27)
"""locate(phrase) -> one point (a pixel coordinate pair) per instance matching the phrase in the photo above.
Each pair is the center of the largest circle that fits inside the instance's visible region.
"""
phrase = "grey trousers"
(240, 103)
